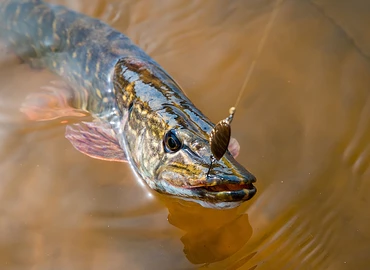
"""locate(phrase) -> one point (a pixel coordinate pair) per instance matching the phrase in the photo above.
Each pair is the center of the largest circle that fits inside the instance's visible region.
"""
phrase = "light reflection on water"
(302, 125)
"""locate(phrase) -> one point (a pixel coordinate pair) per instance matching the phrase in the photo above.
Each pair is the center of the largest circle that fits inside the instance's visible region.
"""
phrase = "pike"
(140, 113)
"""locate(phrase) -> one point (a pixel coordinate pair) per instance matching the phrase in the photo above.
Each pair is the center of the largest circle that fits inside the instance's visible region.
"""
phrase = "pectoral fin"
(50, 103)
(95, 140)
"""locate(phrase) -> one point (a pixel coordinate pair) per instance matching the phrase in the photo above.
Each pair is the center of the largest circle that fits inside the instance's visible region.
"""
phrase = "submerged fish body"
(141, 115)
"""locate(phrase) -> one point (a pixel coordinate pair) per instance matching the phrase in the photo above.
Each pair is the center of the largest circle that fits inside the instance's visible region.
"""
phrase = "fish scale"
(140, 113)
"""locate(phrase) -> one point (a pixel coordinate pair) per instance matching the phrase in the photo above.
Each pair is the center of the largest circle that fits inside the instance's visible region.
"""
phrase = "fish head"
(166, 139)
(188, 170)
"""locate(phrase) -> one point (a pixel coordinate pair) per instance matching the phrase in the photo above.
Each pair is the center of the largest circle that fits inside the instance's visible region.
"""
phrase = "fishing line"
(259, 50)
(221, 133)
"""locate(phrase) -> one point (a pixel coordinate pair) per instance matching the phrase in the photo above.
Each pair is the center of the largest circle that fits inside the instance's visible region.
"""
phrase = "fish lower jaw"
(218, 197)
(227, 187)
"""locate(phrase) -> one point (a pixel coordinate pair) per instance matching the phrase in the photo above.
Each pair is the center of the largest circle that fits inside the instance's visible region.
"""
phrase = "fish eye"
(171, 142)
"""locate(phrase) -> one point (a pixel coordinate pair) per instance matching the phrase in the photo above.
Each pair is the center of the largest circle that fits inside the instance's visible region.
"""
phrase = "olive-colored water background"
(303, 126)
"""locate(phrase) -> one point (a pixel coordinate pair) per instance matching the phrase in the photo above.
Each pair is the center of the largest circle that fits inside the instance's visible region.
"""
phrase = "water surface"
(302, 124)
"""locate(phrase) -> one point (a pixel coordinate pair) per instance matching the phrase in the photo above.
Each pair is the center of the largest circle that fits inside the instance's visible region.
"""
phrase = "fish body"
(141, 114)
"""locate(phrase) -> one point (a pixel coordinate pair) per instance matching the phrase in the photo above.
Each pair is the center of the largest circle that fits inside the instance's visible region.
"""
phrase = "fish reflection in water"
(210, 235)
(207, 235)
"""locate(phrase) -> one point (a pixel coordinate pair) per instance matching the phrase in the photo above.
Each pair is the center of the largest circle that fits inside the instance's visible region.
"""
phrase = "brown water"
(303, 126)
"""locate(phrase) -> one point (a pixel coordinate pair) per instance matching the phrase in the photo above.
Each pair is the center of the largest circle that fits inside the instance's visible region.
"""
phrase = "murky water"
(303, 126)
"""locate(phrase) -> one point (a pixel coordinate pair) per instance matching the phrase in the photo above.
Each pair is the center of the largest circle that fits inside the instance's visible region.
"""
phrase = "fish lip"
(242, 192)
(226, 188)
(205, 196)
(229, 179)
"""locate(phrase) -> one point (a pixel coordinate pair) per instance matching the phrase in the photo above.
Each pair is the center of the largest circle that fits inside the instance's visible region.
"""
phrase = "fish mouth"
(220, 195)
(222, 187)
(226, 192)
(228, 187)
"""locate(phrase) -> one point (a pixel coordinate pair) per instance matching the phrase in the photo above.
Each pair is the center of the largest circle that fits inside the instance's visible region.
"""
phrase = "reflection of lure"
(140, 113)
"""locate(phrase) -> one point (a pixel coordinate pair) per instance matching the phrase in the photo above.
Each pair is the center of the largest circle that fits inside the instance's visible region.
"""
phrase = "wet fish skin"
(124, 88)
(74, 46)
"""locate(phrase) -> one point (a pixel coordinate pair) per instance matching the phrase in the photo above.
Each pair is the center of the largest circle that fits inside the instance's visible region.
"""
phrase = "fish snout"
(227, 180)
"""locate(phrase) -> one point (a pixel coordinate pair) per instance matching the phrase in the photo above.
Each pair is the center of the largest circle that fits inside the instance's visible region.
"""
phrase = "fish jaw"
(206, 198)
(226, 184)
